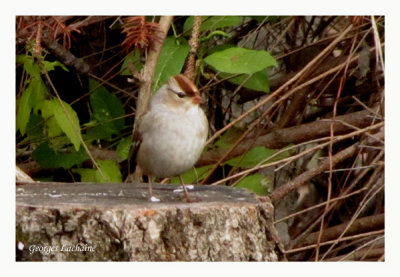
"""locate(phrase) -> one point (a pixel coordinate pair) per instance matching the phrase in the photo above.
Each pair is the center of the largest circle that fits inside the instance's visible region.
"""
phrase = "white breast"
(171, 142)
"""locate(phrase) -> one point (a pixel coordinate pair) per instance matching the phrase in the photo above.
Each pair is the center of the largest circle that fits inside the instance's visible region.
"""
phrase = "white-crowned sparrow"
(173, 132)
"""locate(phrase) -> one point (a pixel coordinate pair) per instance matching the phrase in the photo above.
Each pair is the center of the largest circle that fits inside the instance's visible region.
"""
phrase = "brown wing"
(135, 144)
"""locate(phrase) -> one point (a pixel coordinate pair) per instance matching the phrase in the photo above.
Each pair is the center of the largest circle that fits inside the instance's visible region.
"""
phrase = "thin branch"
(65, 56)
(379, 55)
(308, 247)
(372, 180)
(361, 225)
(299, 155)
(296, 134)
(307, 175)
(147, 74)
(190, 70)
(361, 207)
(77, 131)
(330, 151)
(147, 77)
(361, 254)
(319, 205)
(21, 176)
(284, 86)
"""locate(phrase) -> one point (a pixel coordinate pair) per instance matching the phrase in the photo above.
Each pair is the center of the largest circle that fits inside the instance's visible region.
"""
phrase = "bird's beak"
(197, 99)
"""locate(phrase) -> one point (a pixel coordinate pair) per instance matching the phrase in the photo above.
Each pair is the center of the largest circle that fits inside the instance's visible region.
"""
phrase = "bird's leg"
(151, 195)
(184, 189)
(150, 189)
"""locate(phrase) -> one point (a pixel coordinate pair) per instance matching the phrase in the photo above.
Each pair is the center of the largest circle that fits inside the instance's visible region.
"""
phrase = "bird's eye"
(180, 94)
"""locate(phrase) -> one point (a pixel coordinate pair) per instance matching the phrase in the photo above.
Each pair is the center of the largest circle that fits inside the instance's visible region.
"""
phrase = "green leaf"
(24, 110)
(193, 176)
(171, 61)
(67, 119)
(254, 183)
(87, 174)
(106, 107)
(47, 157)
(38, 94)
(31, 98)
(123, 148)
(213, 22)
(29, 65)
(258, 81)
(111, 172)
(109, 168)
(240, 60)
(224, 141)
(49, 66)
(255, 156)
(134, 59)
(53, 129)
(35, 127)
(219, 48)
(230, 136)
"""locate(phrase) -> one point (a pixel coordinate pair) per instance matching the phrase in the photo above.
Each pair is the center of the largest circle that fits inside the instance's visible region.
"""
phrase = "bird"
(172, 132)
